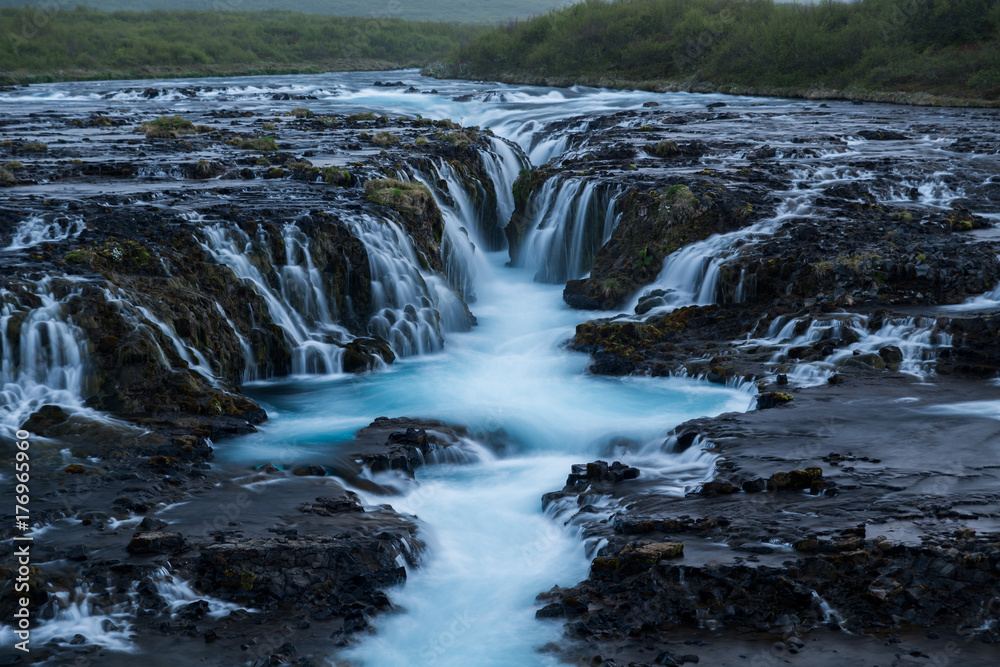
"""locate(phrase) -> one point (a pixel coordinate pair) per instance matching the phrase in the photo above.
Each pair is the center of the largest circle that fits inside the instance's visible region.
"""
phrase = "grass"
(71, 44)
(404, 197)
(927, 52)
(455, 11)
(255, 144)
(167, 127)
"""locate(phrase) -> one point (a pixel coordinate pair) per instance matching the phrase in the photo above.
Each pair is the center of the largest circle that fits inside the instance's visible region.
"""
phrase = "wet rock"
(44, 418)
(891, 354)
(882, 135)
(596, 477)
(406, 444)
(794, 480)
(309, 470)
(155, 542)
(772, 399)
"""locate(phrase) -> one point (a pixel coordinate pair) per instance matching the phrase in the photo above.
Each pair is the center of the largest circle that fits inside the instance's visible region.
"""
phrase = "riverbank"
(25, 78)
(913, 97)
(220, 289)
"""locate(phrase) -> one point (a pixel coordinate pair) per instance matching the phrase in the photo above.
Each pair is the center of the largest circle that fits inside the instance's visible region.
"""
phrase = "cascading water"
(291, 290)
(850, 335)
(491, 549)
(45, 229)
(43, 362)
(413, 308)
(690, 276)
(566, 222)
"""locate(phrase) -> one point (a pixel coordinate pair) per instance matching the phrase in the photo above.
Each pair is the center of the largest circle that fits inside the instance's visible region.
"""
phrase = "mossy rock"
(772, 399)
(384, 139)
(665, 149)
(337, 176)
(167, 127)
(255, 143)
(418, 210)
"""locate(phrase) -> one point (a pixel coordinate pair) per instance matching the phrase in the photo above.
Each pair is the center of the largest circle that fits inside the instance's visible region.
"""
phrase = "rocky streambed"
(289, 406)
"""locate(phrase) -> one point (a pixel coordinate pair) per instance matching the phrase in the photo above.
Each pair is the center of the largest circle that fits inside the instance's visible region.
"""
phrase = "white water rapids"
(490, 548)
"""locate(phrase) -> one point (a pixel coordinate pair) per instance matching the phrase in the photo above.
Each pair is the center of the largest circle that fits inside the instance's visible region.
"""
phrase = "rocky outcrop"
(653, 224)
(419, 213)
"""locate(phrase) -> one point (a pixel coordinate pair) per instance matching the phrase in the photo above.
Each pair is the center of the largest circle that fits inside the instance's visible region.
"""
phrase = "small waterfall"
(413, 308)
(292, 290)
(503, 165)
(458, 245)
(691, 275)
(142, 317)
(566, 223)
(250, 368)
(42, 359)
(38, 229)
(917, 338)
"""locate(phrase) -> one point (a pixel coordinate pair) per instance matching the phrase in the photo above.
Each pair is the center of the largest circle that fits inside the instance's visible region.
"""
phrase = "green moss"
(13, 165)
(80, 256)
(269, 127)
(666, 149)
(337, 176)
(301, 112)
(526, 181)
(255, 144)
(385, 139)
(34, 146)
(362, 116)
(421, 141)
(167, 127)
(275, 172)
(6, 178)
(399, 195)
(241, 578)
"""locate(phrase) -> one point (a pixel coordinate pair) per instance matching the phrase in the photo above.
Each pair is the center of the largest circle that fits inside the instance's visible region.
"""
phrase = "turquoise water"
(490, 548)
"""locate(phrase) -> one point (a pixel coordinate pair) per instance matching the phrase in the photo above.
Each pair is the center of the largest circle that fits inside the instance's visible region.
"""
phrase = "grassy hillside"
(454, 11)
(939, 47)
(82, 43)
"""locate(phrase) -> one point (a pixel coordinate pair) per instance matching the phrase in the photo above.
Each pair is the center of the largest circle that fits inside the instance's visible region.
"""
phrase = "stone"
(155, 542)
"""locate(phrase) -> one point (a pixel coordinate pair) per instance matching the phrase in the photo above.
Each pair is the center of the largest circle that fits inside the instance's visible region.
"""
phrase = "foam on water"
(491, 549)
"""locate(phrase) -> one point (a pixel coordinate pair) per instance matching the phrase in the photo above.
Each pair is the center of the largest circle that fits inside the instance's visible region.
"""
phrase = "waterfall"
(38, 229)
(42, 359)
(413, 308)
(291, 289)
(503, 164)
(566, 223)
(691, 275)
(918, 339)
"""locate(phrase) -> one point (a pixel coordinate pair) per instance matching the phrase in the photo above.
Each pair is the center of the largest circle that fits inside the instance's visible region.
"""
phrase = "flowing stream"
(528, 403)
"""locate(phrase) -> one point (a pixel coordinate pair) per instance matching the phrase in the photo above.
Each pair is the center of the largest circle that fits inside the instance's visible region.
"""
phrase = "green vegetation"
(872, 49)
(384, 139)
(59, 45)
(412, 198)
(337, 176)
(255, 144)
(455, 11)
(666, 149)
(167, 127)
